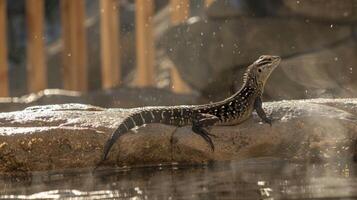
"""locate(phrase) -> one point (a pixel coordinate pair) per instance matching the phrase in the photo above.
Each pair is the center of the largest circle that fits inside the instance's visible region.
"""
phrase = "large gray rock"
(207, 52)
(67, 136)
(247, 8)
(228, 8)
(325, 10)
(330, 72)
(330, 11)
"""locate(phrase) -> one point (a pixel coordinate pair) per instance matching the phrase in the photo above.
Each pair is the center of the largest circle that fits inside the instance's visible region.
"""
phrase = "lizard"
(232, 111)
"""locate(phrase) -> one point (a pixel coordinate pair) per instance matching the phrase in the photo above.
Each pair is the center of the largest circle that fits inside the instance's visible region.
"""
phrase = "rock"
(326, 10)
(58, 137)
(120, 97)
(207, 52)
(227, 9)
(239, 8)
(329, 72)
(330, 11)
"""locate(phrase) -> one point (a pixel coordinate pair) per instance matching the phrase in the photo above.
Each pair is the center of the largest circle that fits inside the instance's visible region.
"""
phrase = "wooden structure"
(180, 10)
(208, 2)
(109, 23)
(36, 67)
(75, 45)
(4, 91)
(145, 51)
(74, 39)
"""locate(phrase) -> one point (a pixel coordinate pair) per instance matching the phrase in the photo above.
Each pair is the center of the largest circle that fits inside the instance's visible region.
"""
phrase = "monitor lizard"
(231, 111)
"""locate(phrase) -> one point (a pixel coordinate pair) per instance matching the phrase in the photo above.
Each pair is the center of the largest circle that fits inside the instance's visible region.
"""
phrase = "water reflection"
(262, 178)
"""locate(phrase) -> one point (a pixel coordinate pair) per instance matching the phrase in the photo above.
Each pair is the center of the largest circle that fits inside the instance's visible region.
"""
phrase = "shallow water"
(262, 178)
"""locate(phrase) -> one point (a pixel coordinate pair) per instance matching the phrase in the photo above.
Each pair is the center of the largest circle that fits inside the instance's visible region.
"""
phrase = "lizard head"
(261, 69)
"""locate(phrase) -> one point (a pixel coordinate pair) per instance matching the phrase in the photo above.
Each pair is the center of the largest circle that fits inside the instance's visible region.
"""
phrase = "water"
(262, 178)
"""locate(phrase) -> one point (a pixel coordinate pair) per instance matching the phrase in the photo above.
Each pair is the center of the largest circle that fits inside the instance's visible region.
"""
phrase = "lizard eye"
(259, 70)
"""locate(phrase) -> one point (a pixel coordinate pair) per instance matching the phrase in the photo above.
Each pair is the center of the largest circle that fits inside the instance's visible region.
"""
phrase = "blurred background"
(126, 53)
(129, 53)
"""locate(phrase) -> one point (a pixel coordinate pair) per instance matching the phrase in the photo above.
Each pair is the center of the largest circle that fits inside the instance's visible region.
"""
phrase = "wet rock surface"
(71, 136)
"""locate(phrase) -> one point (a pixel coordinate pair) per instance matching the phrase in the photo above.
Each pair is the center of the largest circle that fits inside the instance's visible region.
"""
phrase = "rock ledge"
(57, 137)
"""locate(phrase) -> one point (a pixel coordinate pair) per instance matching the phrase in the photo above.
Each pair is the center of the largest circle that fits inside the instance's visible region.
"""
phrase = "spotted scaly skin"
(231, 111)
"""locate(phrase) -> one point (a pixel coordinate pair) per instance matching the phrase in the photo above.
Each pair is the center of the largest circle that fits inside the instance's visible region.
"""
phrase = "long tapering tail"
(113, 138)
(178, 116)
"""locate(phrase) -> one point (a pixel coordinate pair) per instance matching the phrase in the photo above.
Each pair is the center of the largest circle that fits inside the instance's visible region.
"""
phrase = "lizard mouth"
(275, 61)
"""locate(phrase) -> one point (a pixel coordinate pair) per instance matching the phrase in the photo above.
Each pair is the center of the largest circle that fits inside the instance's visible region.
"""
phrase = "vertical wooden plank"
(110, 54)
(75, 76)
(36, 64)
(208, 2)
(180, 10)
(4, 84)
(145, 50)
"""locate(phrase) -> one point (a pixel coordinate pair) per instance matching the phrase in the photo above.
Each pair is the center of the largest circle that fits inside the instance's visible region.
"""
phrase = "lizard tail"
(134, 120)
(147, 116)
(113, 138)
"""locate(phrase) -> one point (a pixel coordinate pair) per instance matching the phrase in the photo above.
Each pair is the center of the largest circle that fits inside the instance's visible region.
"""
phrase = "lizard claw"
(204, 134)
(269, 121)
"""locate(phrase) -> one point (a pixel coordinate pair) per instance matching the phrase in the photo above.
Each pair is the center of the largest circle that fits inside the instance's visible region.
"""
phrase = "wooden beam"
(208, 2)
(109, 22)
(75, 76)
(36, 61)
(180, 10)
(4, 81)
(145, 51)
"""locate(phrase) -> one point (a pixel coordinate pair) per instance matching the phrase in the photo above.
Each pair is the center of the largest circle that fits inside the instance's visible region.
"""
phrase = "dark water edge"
(260, 178)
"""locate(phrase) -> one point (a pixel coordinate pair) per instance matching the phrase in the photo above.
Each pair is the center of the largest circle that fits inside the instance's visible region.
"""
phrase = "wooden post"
(109, 10)
(180, 11)
(36, 64)
(75, 76)
(4, 84)
(208, 2)
(145, 51)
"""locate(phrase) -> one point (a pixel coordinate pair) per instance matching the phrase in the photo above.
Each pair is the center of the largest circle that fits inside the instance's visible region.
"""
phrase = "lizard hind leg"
(201, 121)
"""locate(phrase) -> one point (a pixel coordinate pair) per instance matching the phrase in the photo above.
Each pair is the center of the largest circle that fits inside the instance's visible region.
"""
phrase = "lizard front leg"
(260, 111)
(202, 120)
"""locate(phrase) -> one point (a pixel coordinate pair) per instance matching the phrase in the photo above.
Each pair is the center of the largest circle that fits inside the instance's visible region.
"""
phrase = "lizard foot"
(204, 134)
